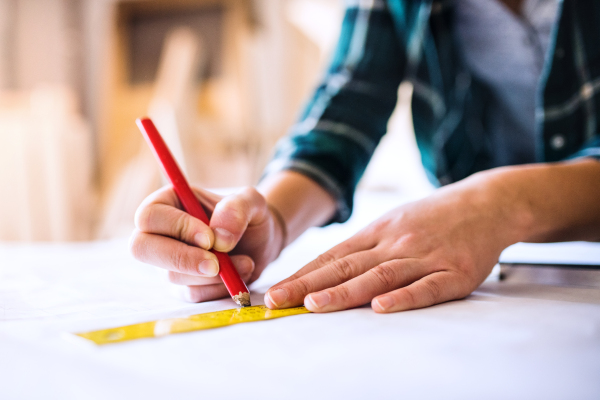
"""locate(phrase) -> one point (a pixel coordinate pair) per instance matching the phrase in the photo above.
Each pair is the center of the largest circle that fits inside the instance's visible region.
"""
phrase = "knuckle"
(434, 290)
(254, 197)
(301, 286)
(342, 293)
(462, 284)
(405, 242)
(134, 245)
(239, 201)
(142, 217)
(324, 259)
(233, 211)
(249, 192)
(343, 269)
(385, 275)
(373, 229)
(180, 262)
(464, 267)
(182, 226)
(411, 298)
(245, 210)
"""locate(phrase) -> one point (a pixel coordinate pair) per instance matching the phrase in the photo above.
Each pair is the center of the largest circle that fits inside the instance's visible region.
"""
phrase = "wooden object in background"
(171, 108)
(45, 167)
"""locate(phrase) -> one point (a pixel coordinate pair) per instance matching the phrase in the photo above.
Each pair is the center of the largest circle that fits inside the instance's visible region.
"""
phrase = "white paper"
(504, 341)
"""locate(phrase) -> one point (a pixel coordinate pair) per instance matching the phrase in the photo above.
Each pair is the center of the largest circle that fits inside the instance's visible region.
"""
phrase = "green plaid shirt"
(384, 42)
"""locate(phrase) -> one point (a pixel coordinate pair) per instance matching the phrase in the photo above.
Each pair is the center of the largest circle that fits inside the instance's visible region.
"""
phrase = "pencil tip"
(243, 299)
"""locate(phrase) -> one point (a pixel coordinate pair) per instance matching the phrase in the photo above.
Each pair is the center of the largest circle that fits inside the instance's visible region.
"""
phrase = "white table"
(509, 340)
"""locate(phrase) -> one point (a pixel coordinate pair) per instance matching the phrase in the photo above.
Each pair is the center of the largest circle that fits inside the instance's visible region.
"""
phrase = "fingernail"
(223, 240)
(319, 300)
(278, 297)
(202, 240)
(208, 268)
(385, 303)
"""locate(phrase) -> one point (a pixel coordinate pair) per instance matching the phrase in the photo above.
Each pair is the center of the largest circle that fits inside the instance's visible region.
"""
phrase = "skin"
(423, 253)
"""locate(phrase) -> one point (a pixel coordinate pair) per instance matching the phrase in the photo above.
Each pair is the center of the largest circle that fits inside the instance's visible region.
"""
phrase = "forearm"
(549, 202)
(301, 202)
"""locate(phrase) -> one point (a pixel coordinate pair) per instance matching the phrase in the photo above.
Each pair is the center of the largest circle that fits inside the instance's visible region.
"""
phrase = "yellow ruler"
(196, 322)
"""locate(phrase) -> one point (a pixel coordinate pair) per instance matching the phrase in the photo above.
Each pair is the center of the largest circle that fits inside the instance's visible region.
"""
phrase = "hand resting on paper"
(240, 224)
(442, 248)
(434, 250)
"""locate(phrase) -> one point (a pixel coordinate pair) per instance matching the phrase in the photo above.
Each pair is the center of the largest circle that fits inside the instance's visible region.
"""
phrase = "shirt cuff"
(343, 203)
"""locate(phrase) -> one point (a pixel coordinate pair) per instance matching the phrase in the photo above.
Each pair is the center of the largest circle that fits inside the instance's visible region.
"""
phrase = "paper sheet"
(78, 281)
(504, 341)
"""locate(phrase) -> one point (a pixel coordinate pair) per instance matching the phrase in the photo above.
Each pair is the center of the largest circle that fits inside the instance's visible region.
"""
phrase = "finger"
(197, 294)
(432, 289)
(173, 255)
(350, 246)
(200, 293)
(243, 264)
(161, 213)
(292, 293)
(233, 214)
(358, 291)
(165, 220)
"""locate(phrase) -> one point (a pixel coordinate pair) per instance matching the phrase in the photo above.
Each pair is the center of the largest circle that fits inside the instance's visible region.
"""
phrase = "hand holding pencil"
(170, 238)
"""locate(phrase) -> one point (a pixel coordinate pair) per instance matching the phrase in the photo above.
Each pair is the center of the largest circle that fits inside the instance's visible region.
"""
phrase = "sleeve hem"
(590, 152)
(343, 208)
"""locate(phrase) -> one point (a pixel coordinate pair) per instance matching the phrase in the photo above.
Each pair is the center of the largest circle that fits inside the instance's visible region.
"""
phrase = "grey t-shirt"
(507, 53)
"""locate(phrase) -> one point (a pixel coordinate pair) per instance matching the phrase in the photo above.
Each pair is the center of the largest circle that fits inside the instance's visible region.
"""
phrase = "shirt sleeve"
(346, 117)
(590, 149)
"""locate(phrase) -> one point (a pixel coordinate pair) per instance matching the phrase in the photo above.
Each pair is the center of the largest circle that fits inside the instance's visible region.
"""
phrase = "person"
(505, 111)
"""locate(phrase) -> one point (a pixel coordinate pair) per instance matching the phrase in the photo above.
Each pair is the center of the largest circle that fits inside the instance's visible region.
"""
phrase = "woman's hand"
(423, 253)
(241, 224)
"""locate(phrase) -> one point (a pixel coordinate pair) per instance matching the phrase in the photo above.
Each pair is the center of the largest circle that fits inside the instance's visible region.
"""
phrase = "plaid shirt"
(383, 42)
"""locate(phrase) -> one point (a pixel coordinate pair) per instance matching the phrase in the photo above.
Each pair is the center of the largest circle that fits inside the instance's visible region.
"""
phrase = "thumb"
(233, 214)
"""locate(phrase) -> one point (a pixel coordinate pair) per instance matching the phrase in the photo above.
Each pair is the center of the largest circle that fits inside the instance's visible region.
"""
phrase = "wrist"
(280, 226)
(503, 199)
(554, 201)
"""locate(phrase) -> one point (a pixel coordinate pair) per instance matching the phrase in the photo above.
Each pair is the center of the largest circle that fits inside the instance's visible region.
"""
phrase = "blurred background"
(222, 79)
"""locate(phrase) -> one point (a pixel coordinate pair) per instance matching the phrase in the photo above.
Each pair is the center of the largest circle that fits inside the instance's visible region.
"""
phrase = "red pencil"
(235, 285)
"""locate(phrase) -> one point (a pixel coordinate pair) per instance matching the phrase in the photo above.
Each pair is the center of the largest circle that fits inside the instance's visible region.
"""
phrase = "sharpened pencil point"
(242, 299)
